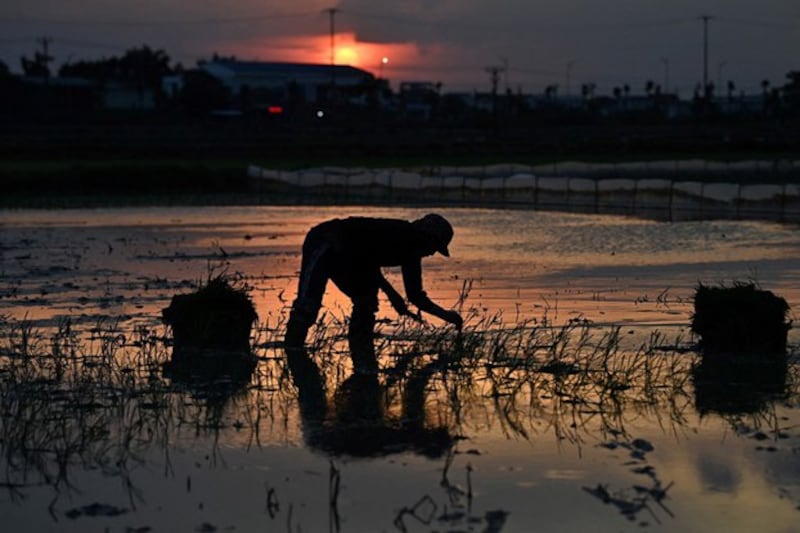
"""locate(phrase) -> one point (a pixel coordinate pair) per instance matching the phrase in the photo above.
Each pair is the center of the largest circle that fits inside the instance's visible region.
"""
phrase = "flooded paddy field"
(573, 400)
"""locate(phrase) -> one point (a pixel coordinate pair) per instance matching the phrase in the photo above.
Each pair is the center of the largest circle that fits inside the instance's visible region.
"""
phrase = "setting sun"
(346, 55)
(386, 59)
(371, 56)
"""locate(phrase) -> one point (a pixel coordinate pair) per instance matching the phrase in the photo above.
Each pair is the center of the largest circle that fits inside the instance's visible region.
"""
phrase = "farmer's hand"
(454, 318)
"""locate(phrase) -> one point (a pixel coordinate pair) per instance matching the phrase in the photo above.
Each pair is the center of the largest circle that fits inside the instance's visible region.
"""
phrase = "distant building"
(127, 96)
(284, 81)
(418, 99)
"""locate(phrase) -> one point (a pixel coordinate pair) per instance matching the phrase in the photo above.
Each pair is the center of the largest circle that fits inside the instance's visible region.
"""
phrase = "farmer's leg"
(361, 334)
(314, 274)
(362, 287)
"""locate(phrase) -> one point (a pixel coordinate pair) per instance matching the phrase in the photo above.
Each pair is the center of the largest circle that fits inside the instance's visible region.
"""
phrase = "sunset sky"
(560, 42)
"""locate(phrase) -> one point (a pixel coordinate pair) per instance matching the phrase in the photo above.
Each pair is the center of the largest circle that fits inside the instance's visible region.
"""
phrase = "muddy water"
(514, 458)
(604, 268)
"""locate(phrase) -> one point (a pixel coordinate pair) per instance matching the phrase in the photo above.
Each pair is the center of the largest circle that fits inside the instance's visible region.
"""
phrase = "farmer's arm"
(397, 301)
(412, 279)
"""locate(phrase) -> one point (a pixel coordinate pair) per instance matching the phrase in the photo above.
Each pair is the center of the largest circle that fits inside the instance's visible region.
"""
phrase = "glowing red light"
(275, 110)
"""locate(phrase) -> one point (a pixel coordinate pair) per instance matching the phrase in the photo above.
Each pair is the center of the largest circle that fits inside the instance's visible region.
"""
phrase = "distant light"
(275, 110)
(320, 113)
(385, 60)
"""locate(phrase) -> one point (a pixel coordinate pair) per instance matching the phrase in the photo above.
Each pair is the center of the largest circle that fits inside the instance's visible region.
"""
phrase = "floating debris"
(95, 509)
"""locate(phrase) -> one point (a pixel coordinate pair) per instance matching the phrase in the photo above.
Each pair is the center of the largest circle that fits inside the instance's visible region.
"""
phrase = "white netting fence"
(672, 190)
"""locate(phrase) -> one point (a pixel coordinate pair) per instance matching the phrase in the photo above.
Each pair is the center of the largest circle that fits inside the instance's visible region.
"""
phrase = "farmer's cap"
(439, 229)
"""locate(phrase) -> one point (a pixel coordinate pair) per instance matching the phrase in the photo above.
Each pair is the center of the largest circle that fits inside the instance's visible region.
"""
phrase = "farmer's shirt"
(372, 243)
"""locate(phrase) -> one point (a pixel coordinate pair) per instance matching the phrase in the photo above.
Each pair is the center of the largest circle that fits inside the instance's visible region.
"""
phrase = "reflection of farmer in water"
(351, 252)
(357, 422)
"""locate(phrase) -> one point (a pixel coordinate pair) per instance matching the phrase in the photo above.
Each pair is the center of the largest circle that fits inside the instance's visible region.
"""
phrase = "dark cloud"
(607, 43)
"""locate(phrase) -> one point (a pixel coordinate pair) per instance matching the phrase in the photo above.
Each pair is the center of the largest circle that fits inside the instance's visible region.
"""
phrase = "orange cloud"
(316, 49)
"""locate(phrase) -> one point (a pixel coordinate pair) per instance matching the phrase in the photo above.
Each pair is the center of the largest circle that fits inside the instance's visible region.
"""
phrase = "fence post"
(671, 198)
(703, 198)
(596, 195)
(569, 193)
(783, 203)
(738, 201)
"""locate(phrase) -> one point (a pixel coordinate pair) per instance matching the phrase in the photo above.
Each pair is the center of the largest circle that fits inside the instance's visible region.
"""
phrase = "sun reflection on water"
(572, 399)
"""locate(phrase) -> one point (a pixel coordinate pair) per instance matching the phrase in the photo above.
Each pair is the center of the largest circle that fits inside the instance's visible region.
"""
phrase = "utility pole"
(331, 11)
(494, 75)
(506, 68)
(705, 19)
(332, 16)
(45, 57)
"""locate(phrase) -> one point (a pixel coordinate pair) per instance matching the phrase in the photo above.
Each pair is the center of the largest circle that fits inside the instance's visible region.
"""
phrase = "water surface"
(473, 434)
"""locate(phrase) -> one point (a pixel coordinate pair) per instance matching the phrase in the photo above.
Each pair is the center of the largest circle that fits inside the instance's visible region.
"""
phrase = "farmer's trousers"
(323, 260)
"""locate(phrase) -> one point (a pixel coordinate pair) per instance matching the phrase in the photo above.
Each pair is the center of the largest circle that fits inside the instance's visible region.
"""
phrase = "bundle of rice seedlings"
(740, 320)
(216, 318)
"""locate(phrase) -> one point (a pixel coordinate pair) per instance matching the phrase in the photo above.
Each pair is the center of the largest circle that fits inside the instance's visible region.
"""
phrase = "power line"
(90, 44)
(20, 40)
(395, 18)
(771, 24)
(526, 24)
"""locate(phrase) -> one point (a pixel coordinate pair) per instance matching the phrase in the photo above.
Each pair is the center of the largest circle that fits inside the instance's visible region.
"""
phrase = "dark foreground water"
(573, 401)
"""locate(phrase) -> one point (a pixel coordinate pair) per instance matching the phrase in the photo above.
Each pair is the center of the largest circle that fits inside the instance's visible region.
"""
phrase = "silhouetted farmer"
(351, 252)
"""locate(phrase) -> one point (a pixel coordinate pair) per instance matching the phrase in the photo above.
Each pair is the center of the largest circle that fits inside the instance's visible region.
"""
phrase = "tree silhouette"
(99, 71)
(791, 91)
(36, 67)
(139, 65)
(142, 67)
(587, 90)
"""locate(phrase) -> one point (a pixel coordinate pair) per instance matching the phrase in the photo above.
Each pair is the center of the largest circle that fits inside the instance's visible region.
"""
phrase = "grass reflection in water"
(105, 398)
